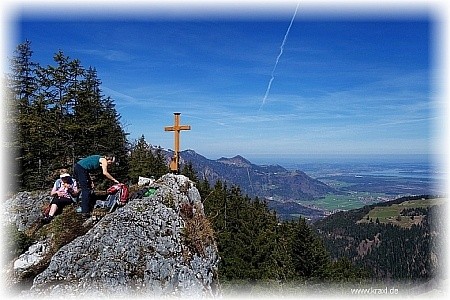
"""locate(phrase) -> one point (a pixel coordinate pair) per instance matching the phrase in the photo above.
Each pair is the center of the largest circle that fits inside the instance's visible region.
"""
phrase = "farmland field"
(347, 201)
(362, 183)
(391, 214)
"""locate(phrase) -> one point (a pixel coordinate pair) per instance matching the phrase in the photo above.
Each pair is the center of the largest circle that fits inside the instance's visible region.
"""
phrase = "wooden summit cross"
(174, 163)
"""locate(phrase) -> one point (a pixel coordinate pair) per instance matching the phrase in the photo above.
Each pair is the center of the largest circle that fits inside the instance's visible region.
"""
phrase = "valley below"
(363, 183)
(315, 189)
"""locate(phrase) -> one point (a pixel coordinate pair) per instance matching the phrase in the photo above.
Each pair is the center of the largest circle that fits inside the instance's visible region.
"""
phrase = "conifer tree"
(309, 255)
(61, 117)
(188, 171)
(22, 92)
(145, 160)
(140, 160)
(282, 253)
(159, 166)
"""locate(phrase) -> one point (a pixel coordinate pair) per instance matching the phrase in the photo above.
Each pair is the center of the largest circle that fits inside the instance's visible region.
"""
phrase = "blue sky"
(344, 83)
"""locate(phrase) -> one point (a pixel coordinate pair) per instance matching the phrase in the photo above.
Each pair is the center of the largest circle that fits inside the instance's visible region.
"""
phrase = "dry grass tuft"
(198, 233)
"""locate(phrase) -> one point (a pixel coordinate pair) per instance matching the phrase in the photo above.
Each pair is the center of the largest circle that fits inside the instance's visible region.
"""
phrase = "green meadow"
(391, 214)
(333, 202)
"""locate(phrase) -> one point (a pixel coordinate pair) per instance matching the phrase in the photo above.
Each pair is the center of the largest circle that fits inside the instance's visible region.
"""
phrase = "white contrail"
(278, 58)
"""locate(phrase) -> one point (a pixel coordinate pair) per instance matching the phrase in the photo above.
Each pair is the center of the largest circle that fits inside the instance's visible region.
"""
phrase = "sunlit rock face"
(141, 249)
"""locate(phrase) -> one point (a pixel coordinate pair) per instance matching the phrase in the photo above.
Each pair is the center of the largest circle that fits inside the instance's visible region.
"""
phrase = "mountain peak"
(237, 161)
(265, 181)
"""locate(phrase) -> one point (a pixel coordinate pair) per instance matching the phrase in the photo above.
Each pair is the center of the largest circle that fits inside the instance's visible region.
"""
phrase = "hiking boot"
(85, 216)
(47, 219)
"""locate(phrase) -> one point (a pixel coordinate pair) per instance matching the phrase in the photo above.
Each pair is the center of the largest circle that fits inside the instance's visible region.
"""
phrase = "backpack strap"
(58, 183)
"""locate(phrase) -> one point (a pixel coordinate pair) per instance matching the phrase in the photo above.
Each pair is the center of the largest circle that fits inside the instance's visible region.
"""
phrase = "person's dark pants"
(61, 202)
(84, 182)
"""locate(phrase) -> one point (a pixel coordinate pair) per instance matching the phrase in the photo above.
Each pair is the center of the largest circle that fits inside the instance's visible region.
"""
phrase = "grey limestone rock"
(25, 208)
(138, 250)
(33, 256)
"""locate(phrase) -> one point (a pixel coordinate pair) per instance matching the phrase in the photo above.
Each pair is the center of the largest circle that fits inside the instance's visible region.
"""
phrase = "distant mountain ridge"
(271, 182)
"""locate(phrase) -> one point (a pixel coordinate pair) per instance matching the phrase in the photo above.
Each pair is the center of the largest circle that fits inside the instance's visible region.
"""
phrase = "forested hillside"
(265, 181)
(255, 245)
(386, 246)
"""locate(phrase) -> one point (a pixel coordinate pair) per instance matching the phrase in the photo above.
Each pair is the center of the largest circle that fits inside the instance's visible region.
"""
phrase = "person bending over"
(82, 170)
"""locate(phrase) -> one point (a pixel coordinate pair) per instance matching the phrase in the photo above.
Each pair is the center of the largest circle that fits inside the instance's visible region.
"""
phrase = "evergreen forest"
(255, 245)
(385, 250)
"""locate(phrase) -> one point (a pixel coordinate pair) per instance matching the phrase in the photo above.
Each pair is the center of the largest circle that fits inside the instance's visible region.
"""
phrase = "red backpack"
(122, 189)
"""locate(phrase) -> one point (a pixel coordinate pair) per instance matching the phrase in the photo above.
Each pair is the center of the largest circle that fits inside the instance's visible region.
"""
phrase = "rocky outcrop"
(155, 246)
(24, 209)
(33, 256)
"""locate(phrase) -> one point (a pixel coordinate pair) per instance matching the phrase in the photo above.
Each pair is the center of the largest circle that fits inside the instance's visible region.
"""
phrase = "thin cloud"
(108, 54)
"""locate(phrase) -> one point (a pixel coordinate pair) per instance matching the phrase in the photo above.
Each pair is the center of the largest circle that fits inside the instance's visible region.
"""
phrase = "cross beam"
(176, 128)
